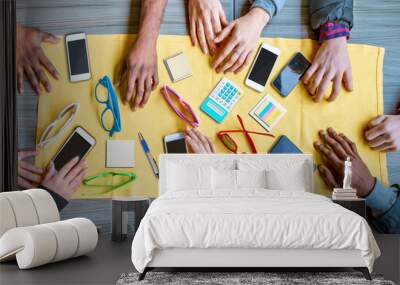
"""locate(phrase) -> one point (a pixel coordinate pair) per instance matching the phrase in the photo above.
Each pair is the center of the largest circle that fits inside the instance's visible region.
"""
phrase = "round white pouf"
(23, 208)
(87, 235)
(7, 217)
(46, 208)
(32, 246)
(37, 245)
(67, 240)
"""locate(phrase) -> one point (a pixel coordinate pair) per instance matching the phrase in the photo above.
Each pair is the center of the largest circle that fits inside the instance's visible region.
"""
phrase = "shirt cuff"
(60, 201)
(381, 199)
(333, 30)
(267, 5)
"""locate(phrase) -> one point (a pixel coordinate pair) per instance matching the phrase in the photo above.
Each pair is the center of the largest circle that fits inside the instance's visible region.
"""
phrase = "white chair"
(31, 233)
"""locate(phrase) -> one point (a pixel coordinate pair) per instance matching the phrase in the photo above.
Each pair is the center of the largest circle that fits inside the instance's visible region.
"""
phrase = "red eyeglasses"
(230, 143)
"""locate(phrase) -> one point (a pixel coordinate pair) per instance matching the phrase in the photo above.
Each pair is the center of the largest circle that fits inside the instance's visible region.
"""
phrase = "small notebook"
(120, 153)
(284, 145)
(178, 67)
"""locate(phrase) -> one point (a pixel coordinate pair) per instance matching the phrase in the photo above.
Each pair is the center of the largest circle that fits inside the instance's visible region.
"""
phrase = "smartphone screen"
(176, 146)
(76, 146)
(263, 66)
(291, 74)
(79, 63)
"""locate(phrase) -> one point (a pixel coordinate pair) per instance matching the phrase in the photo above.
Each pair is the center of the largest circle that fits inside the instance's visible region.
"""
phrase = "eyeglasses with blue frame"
(111, 105)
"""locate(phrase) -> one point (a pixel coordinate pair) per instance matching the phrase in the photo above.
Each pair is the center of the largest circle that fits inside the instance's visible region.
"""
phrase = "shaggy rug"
(244, 278)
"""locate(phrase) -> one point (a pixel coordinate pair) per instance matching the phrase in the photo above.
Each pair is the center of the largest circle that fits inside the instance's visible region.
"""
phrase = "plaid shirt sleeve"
(333, 30)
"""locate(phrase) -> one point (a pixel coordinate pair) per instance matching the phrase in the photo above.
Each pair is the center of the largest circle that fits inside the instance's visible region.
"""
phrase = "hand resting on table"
(198, 142)
(140, 66)
(330, 64)
(334, 150)
(140, 72)
(383, 133)
(64, 182)
(31, 60)
(206, 20)
(238, 40)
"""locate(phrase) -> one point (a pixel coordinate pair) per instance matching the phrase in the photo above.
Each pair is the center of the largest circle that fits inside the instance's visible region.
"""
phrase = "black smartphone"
(291, 74)
(175, 143)
(79, 143)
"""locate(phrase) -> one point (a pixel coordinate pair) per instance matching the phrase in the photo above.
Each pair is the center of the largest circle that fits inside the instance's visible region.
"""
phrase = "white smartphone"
(262, 66)
(79, 143)
(175, 143)
(78, 57)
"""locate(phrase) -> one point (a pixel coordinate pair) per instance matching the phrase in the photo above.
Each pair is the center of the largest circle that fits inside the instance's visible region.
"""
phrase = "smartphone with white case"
(79, 143)
(78, 57)
(262, 66)
(175, 143)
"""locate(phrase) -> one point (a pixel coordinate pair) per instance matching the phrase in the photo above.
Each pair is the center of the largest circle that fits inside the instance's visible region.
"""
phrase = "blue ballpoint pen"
(150, 158)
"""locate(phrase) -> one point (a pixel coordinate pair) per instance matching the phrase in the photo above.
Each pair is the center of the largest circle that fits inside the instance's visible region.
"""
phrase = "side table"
(121, 208)
(357, 206)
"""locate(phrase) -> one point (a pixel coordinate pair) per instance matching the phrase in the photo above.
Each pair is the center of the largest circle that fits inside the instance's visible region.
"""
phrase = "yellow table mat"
(348, 114)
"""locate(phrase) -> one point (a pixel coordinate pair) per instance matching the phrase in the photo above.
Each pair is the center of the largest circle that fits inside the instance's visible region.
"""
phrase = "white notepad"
(178, 67)
(120, 153)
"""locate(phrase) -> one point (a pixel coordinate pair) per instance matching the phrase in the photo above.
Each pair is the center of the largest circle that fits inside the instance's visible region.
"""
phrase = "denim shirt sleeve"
(325, 11)
(272, 7)
(385, 205)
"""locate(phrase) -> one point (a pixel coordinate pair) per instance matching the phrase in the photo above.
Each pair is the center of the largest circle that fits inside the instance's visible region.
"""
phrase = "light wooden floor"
(376, 23)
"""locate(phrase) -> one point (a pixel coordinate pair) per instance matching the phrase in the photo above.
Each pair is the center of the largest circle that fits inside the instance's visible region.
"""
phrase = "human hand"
(206, 19)
(31, 59)
(66, 181)
(334, 151)
(331, 63)
(29, 175)
(239, 40)
(140, 71)
(383, 133)
(198, 142)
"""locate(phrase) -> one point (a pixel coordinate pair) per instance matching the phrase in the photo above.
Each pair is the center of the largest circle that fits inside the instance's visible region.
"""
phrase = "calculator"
(221, 100)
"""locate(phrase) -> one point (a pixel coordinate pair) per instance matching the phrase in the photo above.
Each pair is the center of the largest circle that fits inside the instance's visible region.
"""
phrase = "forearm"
(150, 19)
(325, 11)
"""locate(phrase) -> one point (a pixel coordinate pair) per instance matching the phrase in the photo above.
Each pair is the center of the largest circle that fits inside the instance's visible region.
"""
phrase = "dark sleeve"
(324, 11)
(385, 205)
(61, 202)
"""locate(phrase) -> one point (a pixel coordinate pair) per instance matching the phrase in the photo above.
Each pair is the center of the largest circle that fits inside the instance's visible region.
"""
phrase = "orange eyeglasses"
(229, 142)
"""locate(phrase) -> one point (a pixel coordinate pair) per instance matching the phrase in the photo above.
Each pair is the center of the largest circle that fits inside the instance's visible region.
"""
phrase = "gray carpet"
(244, 278)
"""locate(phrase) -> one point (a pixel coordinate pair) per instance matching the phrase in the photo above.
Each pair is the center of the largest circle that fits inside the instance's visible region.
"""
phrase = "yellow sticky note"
(178, 67)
